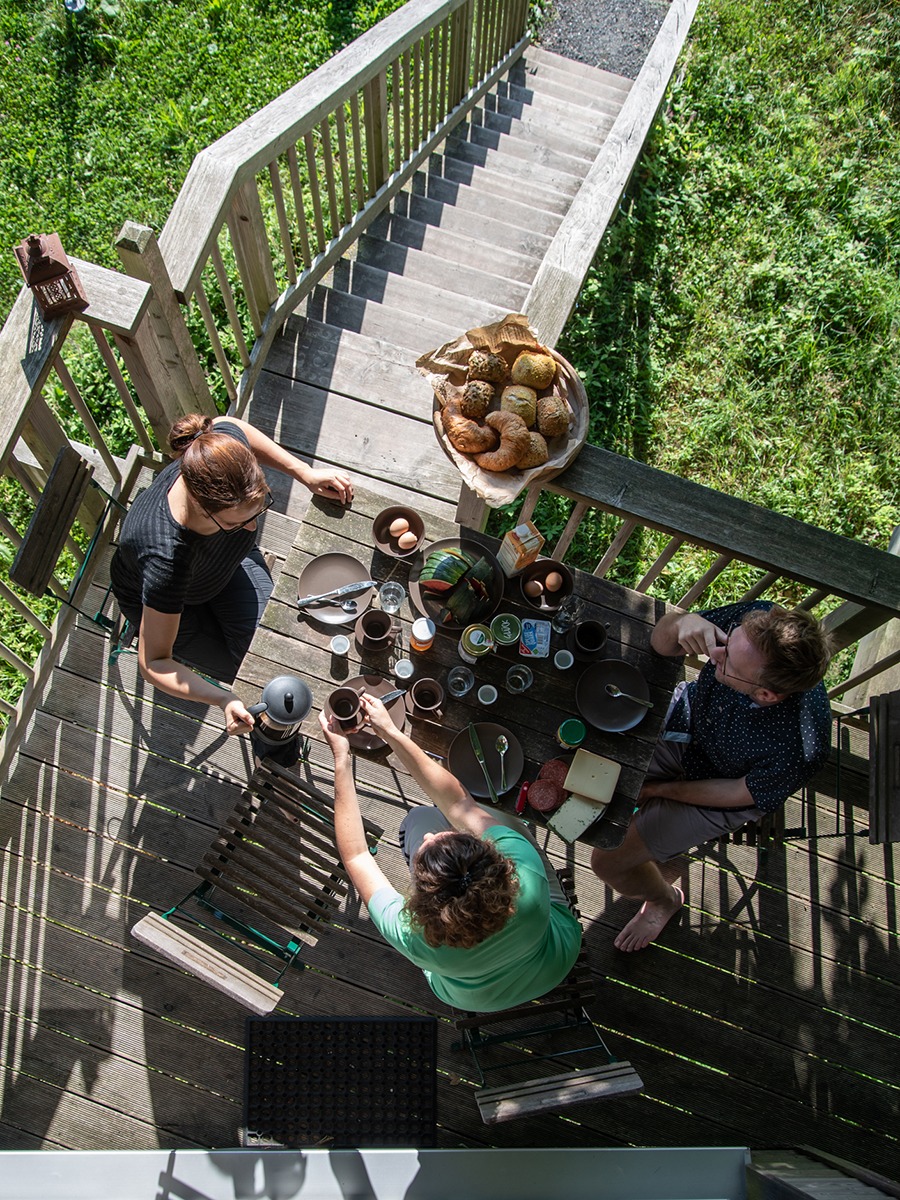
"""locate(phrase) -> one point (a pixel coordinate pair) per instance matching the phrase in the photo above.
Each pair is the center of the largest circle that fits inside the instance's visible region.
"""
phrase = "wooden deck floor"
(766, 1016)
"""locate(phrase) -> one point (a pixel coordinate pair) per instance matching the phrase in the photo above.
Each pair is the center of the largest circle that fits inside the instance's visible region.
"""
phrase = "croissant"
(467, 436)
(514, 442)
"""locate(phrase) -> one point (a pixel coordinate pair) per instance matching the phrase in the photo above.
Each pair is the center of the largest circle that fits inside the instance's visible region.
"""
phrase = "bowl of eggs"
(545, 584)
(398, 531)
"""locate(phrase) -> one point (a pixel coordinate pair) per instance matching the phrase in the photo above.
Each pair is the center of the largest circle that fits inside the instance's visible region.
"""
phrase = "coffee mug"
(427, 695)
(587, 641)
(375, 629)
(345, 707)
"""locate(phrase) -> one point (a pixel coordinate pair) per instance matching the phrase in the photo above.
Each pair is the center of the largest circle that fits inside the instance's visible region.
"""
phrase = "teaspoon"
(612, 690)
(502, 745)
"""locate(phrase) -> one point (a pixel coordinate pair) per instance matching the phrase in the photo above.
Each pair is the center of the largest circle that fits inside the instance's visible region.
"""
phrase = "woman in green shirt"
(487, 921)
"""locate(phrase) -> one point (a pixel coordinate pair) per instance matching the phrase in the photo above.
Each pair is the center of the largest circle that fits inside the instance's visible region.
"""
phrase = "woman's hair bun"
(185, 430)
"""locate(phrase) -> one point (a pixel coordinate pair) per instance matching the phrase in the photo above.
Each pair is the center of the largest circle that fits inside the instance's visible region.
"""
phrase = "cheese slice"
(573, 817)
(592, 776)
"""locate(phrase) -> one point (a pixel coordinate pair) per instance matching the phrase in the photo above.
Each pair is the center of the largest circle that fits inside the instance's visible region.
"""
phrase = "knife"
(389, 696)
(335, 592)
(479, 754)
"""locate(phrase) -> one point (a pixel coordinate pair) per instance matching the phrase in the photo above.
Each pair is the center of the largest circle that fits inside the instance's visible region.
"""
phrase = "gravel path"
(613, 34)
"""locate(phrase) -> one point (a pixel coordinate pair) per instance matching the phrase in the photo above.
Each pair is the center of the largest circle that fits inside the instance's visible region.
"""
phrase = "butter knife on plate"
(336, 593)
(479, 754)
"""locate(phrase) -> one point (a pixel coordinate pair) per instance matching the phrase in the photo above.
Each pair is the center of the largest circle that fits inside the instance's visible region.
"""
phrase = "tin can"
(476, 641)
(422, 634)
(571, 734)
(506, 629)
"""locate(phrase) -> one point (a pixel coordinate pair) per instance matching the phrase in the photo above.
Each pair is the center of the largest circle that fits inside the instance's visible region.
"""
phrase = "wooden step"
(525, 86)
(543, 146)
(554, 1092)
(542, 62)
(576, 122)
(544, 130)
(176, 944)
(492, 257)
(377, 321)
(468, 281)
(466, 199)
(535, 169)
(455, 169)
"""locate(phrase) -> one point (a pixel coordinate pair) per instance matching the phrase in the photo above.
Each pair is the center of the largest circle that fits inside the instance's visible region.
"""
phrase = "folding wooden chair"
(552, 1027)
(274, 856)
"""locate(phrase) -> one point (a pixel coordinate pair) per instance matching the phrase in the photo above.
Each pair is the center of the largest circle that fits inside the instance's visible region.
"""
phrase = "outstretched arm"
(367, 877)
(680, 632)
(447, 792)
(333, 483)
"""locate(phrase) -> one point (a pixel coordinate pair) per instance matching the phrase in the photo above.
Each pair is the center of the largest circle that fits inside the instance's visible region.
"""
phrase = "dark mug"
(345, 708)
(375, 629)
(427, 695)
(587, 641)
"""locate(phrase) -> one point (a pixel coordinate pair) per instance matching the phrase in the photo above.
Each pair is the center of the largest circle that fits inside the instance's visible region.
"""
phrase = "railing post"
(250, 241)
(160, 355)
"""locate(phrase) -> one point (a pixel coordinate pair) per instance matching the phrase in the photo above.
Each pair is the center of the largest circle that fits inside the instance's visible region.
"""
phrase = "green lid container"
(507, 629)
(571, 734)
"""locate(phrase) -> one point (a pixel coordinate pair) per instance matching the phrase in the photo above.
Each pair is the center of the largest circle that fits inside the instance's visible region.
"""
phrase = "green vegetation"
(739, 325)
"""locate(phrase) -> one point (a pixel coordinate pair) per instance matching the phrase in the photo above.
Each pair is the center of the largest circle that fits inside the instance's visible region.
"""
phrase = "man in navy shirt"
(747, 733)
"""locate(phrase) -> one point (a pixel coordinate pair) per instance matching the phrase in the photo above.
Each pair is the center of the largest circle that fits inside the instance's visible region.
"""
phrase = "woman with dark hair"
(188, 573)
(487, 920)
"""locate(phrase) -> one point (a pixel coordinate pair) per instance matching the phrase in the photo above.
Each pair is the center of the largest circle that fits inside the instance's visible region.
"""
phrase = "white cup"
(563, 659)
(403, 669)
(340, 644)
(487, 694)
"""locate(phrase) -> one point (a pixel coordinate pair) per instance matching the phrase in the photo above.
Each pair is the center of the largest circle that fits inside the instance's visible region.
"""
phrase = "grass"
(739, 324)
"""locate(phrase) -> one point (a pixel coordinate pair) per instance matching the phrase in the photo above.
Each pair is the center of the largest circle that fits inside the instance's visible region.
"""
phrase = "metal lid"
(287, 699)
(477, 640)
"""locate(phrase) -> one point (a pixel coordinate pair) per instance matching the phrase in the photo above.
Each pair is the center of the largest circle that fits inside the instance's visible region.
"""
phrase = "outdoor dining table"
(292, 641)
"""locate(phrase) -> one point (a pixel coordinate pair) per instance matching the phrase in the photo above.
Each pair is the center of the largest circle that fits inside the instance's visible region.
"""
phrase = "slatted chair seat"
(275, 856)
(557, 1022)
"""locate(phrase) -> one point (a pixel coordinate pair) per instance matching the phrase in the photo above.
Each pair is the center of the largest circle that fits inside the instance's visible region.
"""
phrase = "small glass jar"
(421, 635)
(475, 643)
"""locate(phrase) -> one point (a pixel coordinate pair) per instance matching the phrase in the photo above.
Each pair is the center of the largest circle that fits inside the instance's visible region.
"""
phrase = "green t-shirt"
(532, 953)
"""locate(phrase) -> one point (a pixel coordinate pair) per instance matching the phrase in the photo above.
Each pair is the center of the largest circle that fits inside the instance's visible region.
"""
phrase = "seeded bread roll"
(552, 416)
(491, 367)
(476, 399)
(536, 454)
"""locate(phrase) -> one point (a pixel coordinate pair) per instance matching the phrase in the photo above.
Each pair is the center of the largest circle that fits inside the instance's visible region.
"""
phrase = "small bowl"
(547, 602)
(382, 537)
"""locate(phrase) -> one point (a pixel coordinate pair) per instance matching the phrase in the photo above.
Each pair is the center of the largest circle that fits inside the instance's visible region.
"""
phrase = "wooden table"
(288, 642)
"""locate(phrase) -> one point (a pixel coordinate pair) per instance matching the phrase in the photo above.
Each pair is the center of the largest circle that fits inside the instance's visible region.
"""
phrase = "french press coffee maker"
(284, 703)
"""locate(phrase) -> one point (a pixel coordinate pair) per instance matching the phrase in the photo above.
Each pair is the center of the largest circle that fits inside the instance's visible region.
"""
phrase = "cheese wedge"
(573, 817)
(592, 776)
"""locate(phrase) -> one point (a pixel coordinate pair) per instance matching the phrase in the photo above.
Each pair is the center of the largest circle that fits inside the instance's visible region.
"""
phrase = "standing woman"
(188, 572)
(487, 920)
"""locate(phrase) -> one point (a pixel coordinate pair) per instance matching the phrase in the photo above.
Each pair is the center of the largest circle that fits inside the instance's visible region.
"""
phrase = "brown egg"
(406, 541)
(533, 588)
(398, 526)
(553, 582)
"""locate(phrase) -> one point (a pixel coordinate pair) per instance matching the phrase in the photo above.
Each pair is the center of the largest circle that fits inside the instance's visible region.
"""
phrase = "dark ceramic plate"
(611, 713)
(462, 762)
(430, 606)
(376, 685)
(382, 535)
(329, 571)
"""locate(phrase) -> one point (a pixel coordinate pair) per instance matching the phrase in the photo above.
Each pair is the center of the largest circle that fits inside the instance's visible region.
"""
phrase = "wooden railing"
(267, 210)
(788, 554)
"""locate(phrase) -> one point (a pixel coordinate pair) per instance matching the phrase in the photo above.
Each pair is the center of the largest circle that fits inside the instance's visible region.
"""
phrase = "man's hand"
(237, 718)
(335, 737)
(378, 716)
(330, 483)
(686, 633)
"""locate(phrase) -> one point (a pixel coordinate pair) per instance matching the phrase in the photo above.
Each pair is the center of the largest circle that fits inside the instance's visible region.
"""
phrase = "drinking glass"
(459, 681)
(567, 614)
(391, 596)
(518, 678)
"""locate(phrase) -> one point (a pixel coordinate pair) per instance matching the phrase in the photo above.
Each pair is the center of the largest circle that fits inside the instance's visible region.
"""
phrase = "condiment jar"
(422, 634)
(475, 643)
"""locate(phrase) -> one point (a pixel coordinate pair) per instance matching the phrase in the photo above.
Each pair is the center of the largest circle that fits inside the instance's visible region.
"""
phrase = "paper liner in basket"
(445, 369)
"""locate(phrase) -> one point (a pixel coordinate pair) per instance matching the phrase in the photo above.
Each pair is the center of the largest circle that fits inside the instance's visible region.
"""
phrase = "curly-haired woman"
(487, 920)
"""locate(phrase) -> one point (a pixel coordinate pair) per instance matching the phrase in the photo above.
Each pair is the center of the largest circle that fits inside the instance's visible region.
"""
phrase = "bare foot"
(649, 923)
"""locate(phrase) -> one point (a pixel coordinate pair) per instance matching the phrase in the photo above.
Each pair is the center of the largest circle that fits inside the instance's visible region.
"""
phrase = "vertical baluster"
(283, 228)
(705, 580)
(565, 538)
(118, 379)
(23, 610)
(468, 12)
(251, 251)
(230, 306)
(209, 321)
(361, 188)
(655, 569)
(762, 585)
(627, 529)
(341, 123)
(417, 82)
(809, 602)
(445, 33)
(312, 174)
(479, 53)
(407, 107)
(494, 53)
(435, 73)
(299, 206)
(328, 159)
(87, 419)
(456, 58)
(395, 109)
(375, 100)
(508, 8)
(531, 498)
(426, 86)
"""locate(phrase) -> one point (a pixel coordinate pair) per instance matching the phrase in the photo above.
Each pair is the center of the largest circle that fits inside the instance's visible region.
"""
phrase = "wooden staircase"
(457, 248)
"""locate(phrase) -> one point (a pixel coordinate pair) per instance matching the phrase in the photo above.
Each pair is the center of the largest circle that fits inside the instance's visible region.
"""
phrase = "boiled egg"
(533, 588)
(553, 582)
(398, 526)
(407, 540)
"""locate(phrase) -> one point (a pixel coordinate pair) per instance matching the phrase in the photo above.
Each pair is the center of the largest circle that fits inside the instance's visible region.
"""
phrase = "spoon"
(612, 690)
(349, 606)
(502, 745)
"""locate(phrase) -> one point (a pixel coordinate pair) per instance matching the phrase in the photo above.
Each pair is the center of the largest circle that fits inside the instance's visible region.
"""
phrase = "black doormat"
(341, 1082)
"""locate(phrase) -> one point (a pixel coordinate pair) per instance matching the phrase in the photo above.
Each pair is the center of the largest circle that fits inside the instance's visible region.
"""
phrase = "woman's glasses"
(243, 525)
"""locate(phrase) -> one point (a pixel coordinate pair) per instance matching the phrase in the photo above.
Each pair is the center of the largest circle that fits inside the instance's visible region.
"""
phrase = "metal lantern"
(47, 271)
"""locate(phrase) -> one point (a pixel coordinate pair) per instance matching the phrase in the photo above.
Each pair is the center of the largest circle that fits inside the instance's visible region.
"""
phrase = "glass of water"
(567, 614)
(518, 678)
(459, 681)
(391, 596)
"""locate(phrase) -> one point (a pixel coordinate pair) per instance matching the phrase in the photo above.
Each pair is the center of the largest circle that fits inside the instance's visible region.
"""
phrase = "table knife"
(389, 696)
(479, 754)
(335, 592)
